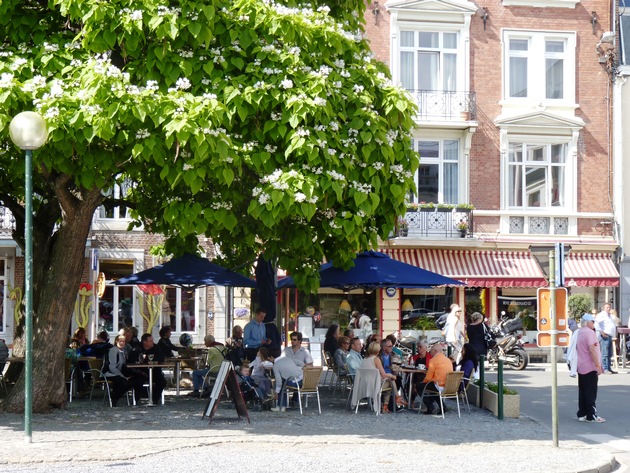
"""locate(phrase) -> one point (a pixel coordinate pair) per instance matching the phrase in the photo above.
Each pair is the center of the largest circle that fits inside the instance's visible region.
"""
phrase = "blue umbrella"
(188, 272)
(373, 269)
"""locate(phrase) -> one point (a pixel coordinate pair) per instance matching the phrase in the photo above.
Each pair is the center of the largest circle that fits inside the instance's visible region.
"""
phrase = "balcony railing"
(445, 105)
(437, 223)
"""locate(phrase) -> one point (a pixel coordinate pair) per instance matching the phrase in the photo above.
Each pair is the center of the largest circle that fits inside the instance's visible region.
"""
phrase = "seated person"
(98, 348)
(236, 353)
(468, 364)
(341, 355)
(422, 357)
(247, 383)
(115, 369)
(297, 352)
(391, 364)
(373, 361)
(216, 355)
(392, 338)
(142, 355)
(354, 358)
(4, 354)
(439, 367)
(79, 338)
(165, 343)
(371, 338)
(284, 368)
(259, 368)
(348, 333)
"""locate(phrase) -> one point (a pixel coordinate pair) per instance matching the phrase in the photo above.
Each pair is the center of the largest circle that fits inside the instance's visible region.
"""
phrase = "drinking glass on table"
(150, 357)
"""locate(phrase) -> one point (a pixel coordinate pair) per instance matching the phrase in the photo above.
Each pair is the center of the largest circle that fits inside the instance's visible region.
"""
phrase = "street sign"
(544, 320)
(543, 339)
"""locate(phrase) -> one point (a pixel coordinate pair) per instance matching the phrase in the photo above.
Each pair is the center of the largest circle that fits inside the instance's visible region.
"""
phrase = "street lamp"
(28, 131)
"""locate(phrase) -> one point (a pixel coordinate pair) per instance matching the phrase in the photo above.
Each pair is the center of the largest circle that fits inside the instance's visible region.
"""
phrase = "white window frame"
(462, 50)
(536, 62)
(462, 164)
(118, 192)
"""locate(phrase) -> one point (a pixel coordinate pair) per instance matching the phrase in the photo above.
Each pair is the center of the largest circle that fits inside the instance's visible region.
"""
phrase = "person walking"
(589, 367)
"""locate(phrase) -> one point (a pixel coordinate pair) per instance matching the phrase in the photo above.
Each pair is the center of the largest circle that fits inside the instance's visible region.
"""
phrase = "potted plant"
(403, 227)
(511, 399)
(462, 226)
(426, 206)
(464, 207)
(445, 207)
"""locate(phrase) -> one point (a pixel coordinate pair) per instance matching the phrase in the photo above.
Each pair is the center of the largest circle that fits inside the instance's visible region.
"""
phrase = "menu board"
(226, 378)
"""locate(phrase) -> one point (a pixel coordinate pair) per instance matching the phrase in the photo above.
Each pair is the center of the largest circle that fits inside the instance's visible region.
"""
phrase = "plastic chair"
(449, 391)
(310, 386)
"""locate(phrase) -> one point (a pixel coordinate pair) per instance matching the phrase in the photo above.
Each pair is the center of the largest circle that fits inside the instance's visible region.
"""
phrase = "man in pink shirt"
(589, 367)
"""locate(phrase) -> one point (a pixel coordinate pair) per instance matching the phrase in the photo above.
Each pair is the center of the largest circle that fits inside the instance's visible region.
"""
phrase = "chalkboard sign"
(226, 377)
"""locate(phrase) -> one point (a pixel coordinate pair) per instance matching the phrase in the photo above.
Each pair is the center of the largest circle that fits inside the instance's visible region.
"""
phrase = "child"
(261, 363)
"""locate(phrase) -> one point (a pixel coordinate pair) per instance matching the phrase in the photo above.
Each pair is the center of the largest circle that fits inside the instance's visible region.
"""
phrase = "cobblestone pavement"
(174, 437)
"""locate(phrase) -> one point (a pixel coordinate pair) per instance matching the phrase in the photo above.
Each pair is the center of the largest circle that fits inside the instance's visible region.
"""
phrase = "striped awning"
(483, 268)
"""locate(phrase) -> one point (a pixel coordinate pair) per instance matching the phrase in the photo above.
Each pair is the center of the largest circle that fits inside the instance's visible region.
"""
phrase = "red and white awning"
(479, 268)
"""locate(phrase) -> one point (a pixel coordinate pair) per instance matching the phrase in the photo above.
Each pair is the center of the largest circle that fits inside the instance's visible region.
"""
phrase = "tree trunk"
(57, 269)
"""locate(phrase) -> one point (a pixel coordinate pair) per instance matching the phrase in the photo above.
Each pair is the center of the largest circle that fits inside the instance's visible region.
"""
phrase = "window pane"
(554, 46)
(624, 31)
(406, 39)
(428, 71)
(450, 72)
(188, 312)
(451, 194)
(451, 148)
(518, 45)
(406, 70)
(515, 186)
(557, 186)
(429, 40)
(450, 40)
(429, 149)
(535, 186)
(428, 183)
(518, 77)
(559, 153)
(536, 153)
(516, 153)
(555, 78)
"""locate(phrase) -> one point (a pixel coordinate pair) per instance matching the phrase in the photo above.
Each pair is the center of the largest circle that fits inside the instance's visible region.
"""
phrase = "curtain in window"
(518, 77)
(554, 78)
(428, 64)
(406, 70)
(450, 72)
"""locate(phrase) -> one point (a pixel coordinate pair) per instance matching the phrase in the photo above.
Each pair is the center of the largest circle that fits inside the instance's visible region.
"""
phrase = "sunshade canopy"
(373, 269)
(189, 272)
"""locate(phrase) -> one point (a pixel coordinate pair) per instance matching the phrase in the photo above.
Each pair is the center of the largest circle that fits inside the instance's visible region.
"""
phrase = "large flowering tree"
(263, 125)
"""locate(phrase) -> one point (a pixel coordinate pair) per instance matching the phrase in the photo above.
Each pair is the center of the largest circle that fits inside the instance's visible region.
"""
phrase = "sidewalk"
(338, 439)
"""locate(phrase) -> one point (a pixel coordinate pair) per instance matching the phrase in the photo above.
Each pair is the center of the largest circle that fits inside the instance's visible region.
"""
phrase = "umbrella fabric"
(374, 269)
(266, 284)
(188, 271)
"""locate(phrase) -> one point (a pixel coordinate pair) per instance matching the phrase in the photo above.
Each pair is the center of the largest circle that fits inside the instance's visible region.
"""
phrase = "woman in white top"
(454, 331)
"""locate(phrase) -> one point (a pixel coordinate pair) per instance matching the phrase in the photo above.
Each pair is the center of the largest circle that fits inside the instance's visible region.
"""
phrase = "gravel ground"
(174, 438)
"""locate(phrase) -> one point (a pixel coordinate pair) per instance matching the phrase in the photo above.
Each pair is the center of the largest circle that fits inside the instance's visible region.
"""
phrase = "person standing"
(476, 331)
(454, 331)
(606, 330)
(255, 335)
(589, 367)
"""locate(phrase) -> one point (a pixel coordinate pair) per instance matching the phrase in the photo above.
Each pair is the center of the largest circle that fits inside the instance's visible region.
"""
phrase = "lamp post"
(28, 131)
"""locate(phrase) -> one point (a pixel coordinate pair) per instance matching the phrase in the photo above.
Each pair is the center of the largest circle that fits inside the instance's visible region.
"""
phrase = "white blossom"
(299, 197)
(142, 133)
(320, 102)
(264, 198)
(286, 84)
(6, 79)
(183, 83)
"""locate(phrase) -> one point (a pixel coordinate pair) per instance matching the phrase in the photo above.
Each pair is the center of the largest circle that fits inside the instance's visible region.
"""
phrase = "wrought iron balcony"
(445, 105)
(436, 223)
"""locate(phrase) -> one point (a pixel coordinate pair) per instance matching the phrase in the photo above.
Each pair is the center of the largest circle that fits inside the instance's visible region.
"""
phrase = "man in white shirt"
(297, 352)
(606, 331)
(283, 369)
(354, 358)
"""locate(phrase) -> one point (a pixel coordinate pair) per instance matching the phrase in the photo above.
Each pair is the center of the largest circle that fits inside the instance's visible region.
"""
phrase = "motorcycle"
(508, 345)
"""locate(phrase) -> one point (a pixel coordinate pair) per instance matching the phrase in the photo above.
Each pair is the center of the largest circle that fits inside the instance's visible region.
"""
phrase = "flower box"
(511, 402)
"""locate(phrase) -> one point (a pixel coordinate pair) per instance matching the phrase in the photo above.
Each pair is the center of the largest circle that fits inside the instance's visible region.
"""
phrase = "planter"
(462, 233)
(511, 402)
(403, 232)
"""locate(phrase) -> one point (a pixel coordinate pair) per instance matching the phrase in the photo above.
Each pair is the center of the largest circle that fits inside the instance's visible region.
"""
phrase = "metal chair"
(99, 380)
(330, 368)
(310, 386)
(449, 391)
(70, 373)
(369, 385)
(463, 392)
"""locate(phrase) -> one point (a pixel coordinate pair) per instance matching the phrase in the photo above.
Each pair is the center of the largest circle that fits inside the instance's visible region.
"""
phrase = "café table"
(177, 361)
(410, 372)
(151, 365)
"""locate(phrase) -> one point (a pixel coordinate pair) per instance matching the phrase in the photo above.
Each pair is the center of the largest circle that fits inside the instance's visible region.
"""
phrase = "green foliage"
(580, 304)
(425, 323)
(473, 306)
(266, 127)
(494, 387)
